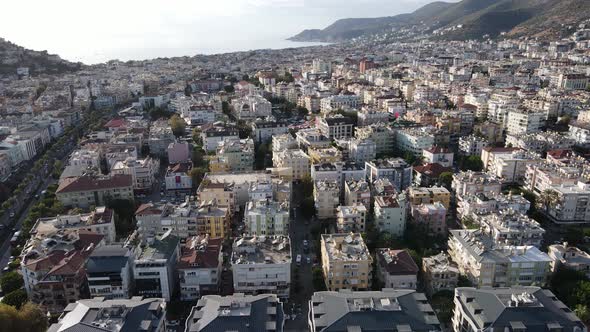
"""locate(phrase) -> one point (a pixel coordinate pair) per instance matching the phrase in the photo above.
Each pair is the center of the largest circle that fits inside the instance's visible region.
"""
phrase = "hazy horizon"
(138, 30)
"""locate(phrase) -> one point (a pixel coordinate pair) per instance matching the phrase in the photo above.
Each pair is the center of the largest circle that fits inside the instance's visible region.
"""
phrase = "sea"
(149, 52)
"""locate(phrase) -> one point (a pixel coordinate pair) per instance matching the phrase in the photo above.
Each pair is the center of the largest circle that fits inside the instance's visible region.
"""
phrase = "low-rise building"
(262, 265)
(346, 262)
(439, 273)
(382, 135)
(514, 309)
(510, 166)
(154, 269)
(213, 134)
(264, 131)
(109, 272)
(86, 191)
(388, 309)
(351, 218)
(481, 204)
(117, 315)
(396, 269)
(564, 255)
(237, 312)
(199, 267)
(160, 137)
(439, 155)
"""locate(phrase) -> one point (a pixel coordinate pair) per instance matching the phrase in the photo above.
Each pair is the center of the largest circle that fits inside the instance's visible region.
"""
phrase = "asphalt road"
(302, 289)
(27, 200)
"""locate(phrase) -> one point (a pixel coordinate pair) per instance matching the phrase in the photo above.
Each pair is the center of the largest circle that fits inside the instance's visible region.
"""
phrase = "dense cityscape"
(420, 185)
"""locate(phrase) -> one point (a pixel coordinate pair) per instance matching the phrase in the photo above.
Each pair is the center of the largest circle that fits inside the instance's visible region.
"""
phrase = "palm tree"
(548, 199)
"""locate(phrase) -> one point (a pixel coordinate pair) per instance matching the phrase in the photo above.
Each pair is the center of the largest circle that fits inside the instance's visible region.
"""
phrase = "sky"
(96, 31)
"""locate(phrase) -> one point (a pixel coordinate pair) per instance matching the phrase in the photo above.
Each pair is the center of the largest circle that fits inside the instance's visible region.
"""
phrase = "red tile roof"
(147, 209)
(432, 169)
(115, 123)
(193, 257)
(87, 183)
(401, 263)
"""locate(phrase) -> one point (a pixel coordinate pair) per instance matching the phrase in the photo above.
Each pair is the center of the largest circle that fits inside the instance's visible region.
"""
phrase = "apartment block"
(439, 273)
(486, 264)
(154, 268)
(346, 262)
(266, 217)
(527, 308)
(109, 272)
(431, 195)
(394, 169)
(262, 265)
(390, 213)
(351, 218)
(326, 196)
(85, 191)
(199, 267)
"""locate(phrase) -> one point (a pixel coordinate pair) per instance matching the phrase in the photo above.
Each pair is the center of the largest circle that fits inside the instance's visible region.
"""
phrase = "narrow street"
(301, 275)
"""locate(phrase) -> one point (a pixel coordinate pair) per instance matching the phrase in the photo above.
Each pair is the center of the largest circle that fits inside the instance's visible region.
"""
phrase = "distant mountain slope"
(476, 18)
(13, 56)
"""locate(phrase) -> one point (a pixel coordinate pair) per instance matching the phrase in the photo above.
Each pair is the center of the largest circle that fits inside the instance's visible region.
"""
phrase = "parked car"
(298, 259)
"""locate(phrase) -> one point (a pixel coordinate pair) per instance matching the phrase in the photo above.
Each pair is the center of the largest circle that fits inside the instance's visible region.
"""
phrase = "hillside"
(13, 56)
(466, 19)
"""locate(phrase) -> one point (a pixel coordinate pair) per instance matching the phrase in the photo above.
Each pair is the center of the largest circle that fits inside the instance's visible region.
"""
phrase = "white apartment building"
(336, 126)
(326, 194)
(344, 102)
(266, 217)
(486, 264)
(525, 121)
(390, 214)
(436, 154)
(414, 140)
(351, 218)
(262, 265)
(473, 183)
(509, 227)
(142, 171)
(251, 107)
(511, 166)
(482, 204)
(357, 192)
(472, 145)
(564, 255)
(296, 160)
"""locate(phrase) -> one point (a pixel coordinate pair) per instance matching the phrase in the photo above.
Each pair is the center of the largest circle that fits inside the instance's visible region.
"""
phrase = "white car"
(298, 259)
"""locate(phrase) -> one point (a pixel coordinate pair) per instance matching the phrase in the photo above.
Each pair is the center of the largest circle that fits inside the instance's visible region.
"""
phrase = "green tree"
(409, 157)
(229, 88)
(473, 163)
(16, 298)
(318, 279)
(178, 125)
(197, 174)
(124, 216)
(442, 303)
(11, 281)
(583, 312)
(28, 319)
(445, 179)
(547, 200)
(307, 207)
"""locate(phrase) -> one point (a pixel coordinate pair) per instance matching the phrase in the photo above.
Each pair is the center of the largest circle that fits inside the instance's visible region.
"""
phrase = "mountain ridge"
(466, 19)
